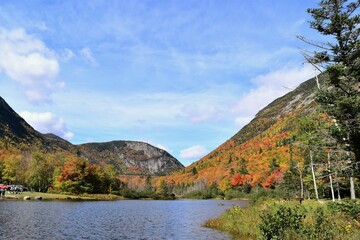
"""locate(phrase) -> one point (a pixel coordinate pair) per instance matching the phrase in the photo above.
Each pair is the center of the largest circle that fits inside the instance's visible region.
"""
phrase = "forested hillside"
(274, 150)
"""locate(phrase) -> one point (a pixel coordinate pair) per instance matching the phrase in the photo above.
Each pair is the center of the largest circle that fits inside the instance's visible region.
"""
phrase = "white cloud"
(47, 122)
(267, 88)
(28, 61)
(289, 77)
(87, 55)
(194, 152)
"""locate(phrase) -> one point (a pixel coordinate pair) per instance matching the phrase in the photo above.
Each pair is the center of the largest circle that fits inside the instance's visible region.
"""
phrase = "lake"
(124, 219)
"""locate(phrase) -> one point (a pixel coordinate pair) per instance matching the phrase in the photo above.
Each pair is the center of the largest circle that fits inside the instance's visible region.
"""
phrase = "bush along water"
(286, 222)
(272, 219)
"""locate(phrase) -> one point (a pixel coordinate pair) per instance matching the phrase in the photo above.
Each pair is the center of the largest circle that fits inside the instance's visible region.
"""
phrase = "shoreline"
(39, 196)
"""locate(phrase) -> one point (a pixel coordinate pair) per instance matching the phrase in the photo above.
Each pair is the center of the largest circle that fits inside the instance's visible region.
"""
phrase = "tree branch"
(313, 43)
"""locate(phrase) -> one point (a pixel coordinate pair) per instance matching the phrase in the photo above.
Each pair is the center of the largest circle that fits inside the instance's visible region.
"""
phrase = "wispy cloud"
(158, 145)
(267, 88)
(87, 55)
(29, 62)
(194, 152)
(39, 25)
(149, 109)
(47, 122)
(198, 112)
(66, 55)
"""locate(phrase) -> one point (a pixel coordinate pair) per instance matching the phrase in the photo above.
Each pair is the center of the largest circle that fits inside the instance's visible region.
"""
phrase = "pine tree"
(339, 60)
(194, 171)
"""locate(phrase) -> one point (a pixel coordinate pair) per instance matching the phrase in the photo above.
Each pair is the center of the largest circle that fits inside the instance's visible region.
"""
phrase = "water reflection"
(133, 219)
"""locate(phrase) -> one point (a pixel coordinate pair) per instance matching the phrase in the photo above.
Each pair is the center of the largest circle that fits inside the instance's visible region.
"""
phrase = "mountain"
(266, 144)
(13, 127)
(126, 156)
(130, 156)
(15, 130)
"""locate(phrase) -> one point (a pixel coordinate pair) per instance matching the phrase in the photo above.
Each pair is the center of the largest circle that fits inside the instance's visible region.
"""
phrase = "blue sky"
(181, 75)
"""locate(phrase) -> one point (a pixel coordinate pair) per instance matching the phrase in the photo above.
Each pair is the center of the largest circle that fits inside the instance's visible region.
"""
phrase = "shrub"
(209, 192)
(275, 222)
(319, 225)
(288, 220)
(241, 222)
(233, 193)
(349, 208)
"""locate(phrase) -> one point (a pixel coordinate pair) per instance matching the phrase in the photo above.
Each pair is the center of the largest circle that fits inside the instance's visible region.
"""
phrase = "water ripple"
(126, 219)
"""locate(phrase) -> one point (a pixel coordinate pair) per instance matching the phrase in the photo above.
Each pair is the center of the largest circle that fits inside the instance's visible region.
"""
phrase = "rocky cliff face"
(126, 156)
(131, 157)
(157, 160)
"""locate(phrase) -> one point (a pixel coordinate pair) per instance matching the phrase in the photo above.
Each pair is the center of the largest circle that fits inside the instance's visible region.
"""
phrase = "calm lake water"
(125, 219)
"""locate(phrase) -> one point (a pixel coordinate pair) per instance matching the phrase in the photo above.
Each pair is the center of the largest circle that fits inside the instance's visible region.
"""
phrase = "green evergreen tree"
(148, 185)
(339, 59)
(230, 159)
(273, 165)
(243, 168)
(291, 182)
(194, 171)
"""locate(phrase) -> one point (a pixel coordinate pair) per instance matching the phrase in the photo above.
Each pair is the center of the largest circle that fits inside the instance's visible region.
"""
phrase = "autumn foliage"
(60, 172)
(259, 161)
(273, 178)
(241, 179)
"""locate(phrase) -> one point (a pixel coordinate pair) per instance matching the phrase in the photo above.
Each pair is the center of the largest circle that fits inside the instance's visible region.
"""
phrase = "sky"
(184, 76)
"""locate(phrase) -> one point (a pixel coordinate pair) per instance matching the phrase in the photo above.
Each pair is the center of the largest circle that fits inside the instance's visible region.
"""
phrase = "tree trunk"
(352, 188)
(301, 184)
(332, 188)
(313, 175)
(331, 181)
(355, 167)
(337, 186)
(317, 82)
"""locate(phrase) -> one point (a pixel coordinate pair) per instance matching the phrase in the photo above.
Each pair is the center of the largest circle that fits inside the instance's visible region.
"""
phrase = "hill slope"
(267, 143)
(14, 127)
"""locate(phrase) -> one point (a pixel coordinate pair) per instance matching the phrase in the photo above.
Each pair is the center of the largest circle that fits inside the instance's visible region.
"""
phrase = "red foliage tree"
(273, 178)
(240, 179)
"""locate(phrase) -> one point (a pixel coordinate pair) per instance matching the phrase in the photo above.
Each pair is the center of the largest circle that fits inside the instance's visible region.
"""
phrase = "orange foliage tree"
(273, 178)
(72, 176)
(241, 179)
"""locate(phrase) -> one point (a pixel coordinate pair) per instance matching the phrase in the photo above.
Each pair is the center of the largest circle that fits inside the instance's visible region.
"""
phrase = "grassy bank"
(272, 219)
(55, 196)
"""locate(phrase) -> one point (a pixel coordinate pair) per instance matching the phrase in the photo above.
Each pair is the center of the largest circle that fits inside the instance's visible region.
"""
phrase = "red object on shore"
(3, 186)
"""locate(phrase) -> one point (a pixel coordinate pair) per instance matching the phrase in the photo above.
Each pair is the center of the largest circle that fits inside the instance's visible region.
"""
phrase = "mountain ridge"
(130, 157)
